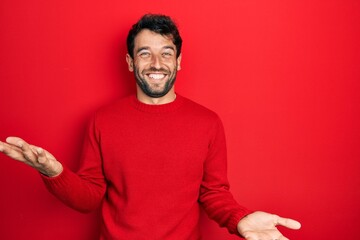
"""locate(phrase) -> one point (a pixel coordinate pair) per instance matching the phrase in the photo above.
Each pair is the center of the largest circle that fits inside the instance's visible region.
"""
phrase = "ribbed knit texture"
(150, 167)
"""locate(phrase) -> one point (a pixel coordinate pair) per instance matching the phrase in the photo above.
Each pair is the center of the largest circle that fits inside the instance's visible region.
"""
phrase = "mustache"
(158, 70)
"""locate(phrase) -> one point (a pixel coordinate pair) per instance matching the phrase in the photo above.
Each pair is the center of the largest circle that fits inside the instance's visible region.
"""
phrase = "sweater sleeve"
(215, 196)
(84, 190)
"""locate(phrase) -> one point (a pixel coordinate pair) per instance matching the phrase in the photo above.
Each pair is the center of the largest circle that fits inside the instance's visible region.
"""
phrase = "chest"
(154, 148)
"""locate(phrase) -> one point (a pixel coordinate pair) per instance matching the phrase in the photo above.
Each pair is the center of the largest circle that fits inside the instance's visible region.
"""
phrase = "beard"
(153, 89)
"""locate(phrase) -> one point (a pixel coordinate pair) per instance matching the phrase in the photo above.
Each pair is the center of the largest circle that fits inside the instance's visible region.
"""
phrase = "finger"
(12, 151)
(41, 158)
(287, 222)
(27, 150)
(2, 146)
(15, 141)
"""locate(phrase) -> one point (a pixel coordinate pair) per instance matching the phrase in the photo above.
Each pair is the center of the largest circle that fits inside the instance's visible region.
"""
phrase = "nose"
(155, 62)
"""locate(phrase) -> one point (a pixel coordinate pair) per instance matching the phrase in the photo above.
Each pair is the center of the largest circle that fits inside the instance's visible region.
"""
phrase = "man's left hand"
(262, 225)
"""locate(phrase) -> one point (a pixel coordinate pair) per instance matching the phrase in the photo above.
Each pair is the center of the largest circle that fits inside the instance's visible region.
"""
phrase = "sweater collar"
(161, 108)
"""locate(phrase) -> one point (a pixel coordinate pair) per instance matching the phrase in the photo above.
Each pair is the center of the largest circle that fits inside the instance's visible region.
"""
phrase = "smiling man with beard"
(154, 54)
(155, 63)
(145, 162)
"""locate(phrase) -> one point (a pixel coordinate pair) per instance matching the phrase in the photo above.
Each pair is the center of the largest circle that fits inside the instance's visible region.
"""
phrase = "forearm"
(78, 192)
(223, 208)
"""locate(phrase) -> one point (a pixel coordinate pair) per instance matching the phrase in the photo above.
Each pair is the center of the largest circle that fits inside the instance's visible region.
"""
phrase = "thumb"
(289, 223)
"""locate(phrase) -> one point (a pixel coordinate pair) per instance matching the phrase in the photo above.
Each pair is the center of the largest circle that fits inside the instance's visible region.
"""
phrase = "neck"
(169, 97)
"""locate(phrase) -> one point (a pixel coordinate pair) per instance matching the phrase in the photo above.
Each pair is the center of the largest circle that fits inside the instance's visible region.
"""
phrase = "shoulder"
(119, 105)
(205, 119)
(199, 109)
(200, 115)
(119, 108)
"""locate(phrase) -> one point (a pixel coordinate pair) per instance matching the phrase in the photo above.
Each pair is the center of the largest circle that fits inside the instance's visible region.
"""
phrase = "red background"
(283, 76)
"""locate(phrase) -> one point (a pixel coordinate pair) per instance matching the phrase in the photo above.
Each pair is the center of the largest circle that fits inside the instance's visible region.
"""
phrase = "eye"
(144, 54)
(167, 54)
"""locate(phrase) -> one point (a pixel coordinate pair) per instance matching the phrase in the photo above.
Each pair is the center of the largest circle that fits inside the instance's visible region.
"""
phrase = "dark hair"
(157, 23)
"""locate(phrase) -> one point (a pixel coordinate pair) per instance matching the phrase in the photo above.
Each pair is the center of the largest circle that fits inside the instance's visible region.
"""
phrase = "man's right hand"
(36, 157)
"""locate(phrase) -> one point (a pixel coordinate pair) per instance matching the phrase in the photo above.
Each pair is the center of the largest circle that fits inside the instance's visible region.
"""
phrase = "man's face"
(154, 64)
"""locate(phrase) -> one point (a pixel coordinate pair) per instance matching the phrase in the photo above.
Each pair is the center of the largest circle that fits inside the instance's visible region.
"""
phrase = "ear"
(178, 60)
(130, 62)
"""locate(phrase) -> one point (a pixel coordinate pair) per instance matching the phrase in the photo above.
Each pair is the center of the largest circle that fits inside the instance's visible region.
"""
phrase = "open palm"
(262, 225)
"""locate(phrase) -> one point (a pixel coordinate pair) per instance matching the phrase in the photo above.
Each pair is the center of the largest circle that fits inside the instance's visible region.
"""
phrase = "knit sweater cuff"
(233, 222)
(57, 182)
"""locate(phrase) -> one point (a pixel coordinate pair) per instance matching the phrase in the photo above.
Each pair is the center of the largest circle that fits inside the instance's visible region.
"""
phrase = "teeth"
(156, 76)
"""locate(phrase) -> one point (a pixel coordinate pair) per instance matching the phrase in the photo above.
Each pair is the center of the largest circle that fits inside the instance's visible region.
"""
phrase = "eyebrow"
(169, 47)
(141, 49)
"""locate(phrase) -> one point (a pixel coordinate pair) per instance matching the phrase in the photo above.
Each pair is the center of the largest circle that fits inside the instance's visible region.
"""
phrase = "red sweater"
(150, 167)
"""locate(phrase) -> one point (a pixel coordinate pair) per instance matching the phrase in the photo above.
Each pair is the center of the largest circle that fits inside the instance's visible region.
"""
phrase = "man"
(145, 162)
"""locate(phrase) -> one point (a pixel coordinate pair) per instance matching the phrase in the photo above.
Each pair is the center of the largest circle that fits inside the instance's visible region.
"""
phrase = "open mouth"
(156, 76)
